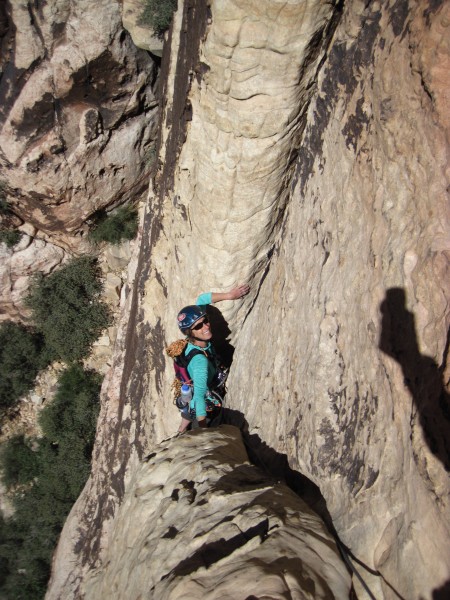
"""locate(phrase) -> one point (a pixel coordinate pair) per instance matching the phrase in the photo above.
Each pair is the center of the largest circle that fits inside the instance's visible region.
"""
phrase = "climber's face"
(202, 330)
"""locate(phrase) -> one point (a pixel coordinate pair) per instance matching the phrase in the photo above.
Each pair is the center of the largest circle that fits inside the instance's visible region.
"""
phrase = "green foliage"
(4, 206)
(120, 225)
(67, 309)
(69, 421)
(19, 462)
(10, 237)
(158, 14)
(22, 355)
(62, 466)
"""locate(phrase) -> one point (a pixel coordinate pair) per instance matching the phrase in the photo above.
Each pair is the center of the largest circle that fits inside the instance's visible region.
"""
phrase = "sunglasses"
(199, 326)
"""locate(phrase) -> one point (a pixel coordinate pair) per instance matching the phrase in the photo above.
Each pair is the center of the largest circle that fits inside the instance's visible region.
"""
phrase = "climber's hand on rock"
(234, 294)
(238, 292)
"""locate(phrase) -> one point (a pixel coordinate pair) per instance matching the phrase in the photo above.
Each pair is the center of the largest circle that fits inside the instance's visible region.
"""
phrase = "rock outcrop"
(142, 35)
(204, 509)
(78, 119)
(304, 149)
(17, 267)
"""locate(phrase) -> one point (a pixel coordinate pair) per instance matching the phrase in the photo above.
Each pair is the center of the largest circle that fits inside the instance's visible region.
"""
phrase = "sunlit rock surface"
(199, 521)
(304, 149)
(142, 35)
(78, 117)
(17, 268)
(340, 362)
(350, 325)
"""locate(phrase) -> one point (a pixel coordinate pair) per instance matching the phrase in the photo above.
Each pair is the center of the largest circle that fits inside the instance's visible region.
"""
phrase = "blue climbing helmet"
(188, 316)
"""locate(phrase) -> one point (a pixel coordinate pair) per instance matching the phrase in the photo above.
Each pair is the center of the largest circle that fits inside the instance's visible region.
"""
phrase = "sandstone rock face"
(204, 510)
(350, 272)
(77, 113)
(359, 280)
(253, 83)
(142, 35)
(311, 145)
(17, 267)
(77, 125)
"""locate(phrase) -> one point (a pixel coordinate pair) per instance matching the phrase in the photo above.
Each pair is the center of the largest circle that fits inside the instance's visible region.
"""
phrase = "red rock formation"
(77, 117)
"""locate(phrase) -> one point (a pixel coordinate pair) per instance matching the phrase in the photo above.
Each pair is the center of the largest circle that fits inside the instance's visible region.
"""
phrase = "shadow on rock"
(221, 332)
(276, 465)
(443, 593)
(423, 377)
(269, 460)
(210, 553)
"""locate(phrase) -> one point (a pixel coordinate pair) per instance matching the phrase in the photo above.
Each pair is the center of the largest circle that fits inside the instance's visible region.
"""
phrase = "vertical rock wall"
(249, 90)
(350, 327)
(311, 145)
(340, 363)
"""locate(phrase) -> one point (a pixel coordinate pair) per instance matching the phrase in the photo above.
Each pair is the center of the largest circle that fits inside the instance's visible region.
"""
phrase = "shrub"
(158, 14)
(10, 237)
(27, 540)
(4, 206)
(22, 355)
(26, 549)
(69, 422)
(19, 462)
(120, 225)
(31, 534)
(67, 309)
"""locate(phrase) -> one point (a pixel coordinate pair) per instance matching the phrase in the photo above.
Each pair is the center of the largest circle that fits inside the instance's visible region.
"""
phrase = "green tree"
(4, 206)
(22, 355)
(28, 539)
(10, 237)
(121, 224)
(67, 309)
(20, 464)
(69, 423)
(158, 14)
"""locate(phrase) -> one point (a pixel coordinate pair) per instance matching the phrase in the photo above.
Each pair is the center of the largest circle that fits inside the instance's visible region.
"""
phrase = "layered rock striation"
(199, 521)
(304, 148)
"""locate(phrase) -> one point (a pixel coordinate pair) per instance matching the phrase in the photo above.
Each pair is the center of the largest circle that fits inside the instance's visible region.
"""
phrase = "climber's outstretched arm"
(234, 294)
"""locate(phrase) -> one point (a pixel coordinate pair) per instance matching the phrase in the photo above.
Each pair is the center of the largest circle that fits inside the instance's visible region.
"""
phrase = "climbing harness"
(181, 360)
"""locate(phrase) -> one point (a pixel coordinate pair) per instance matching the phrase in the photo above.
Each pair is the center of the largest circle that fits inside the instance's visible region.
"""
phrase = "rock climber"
(194, 324)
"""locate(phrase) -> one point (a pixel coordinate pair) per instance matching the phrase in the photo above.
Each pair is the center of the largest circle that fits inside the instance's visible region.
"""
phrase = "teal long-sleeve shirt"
(200, 369)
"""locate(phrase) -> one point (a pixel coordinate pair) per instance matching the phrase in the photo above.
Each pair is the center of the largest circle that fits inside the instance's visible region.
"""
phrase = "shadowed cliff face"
(311, 160)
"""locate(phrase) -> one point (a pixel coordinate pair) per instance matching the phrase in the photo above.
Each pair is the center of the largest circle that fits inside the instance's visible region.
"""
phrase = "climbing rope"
(342, 549)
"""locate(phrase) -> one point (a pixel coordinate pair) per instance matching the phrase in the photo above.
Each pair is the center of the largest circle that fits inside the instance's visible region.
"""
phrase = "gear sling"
(181, 361)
